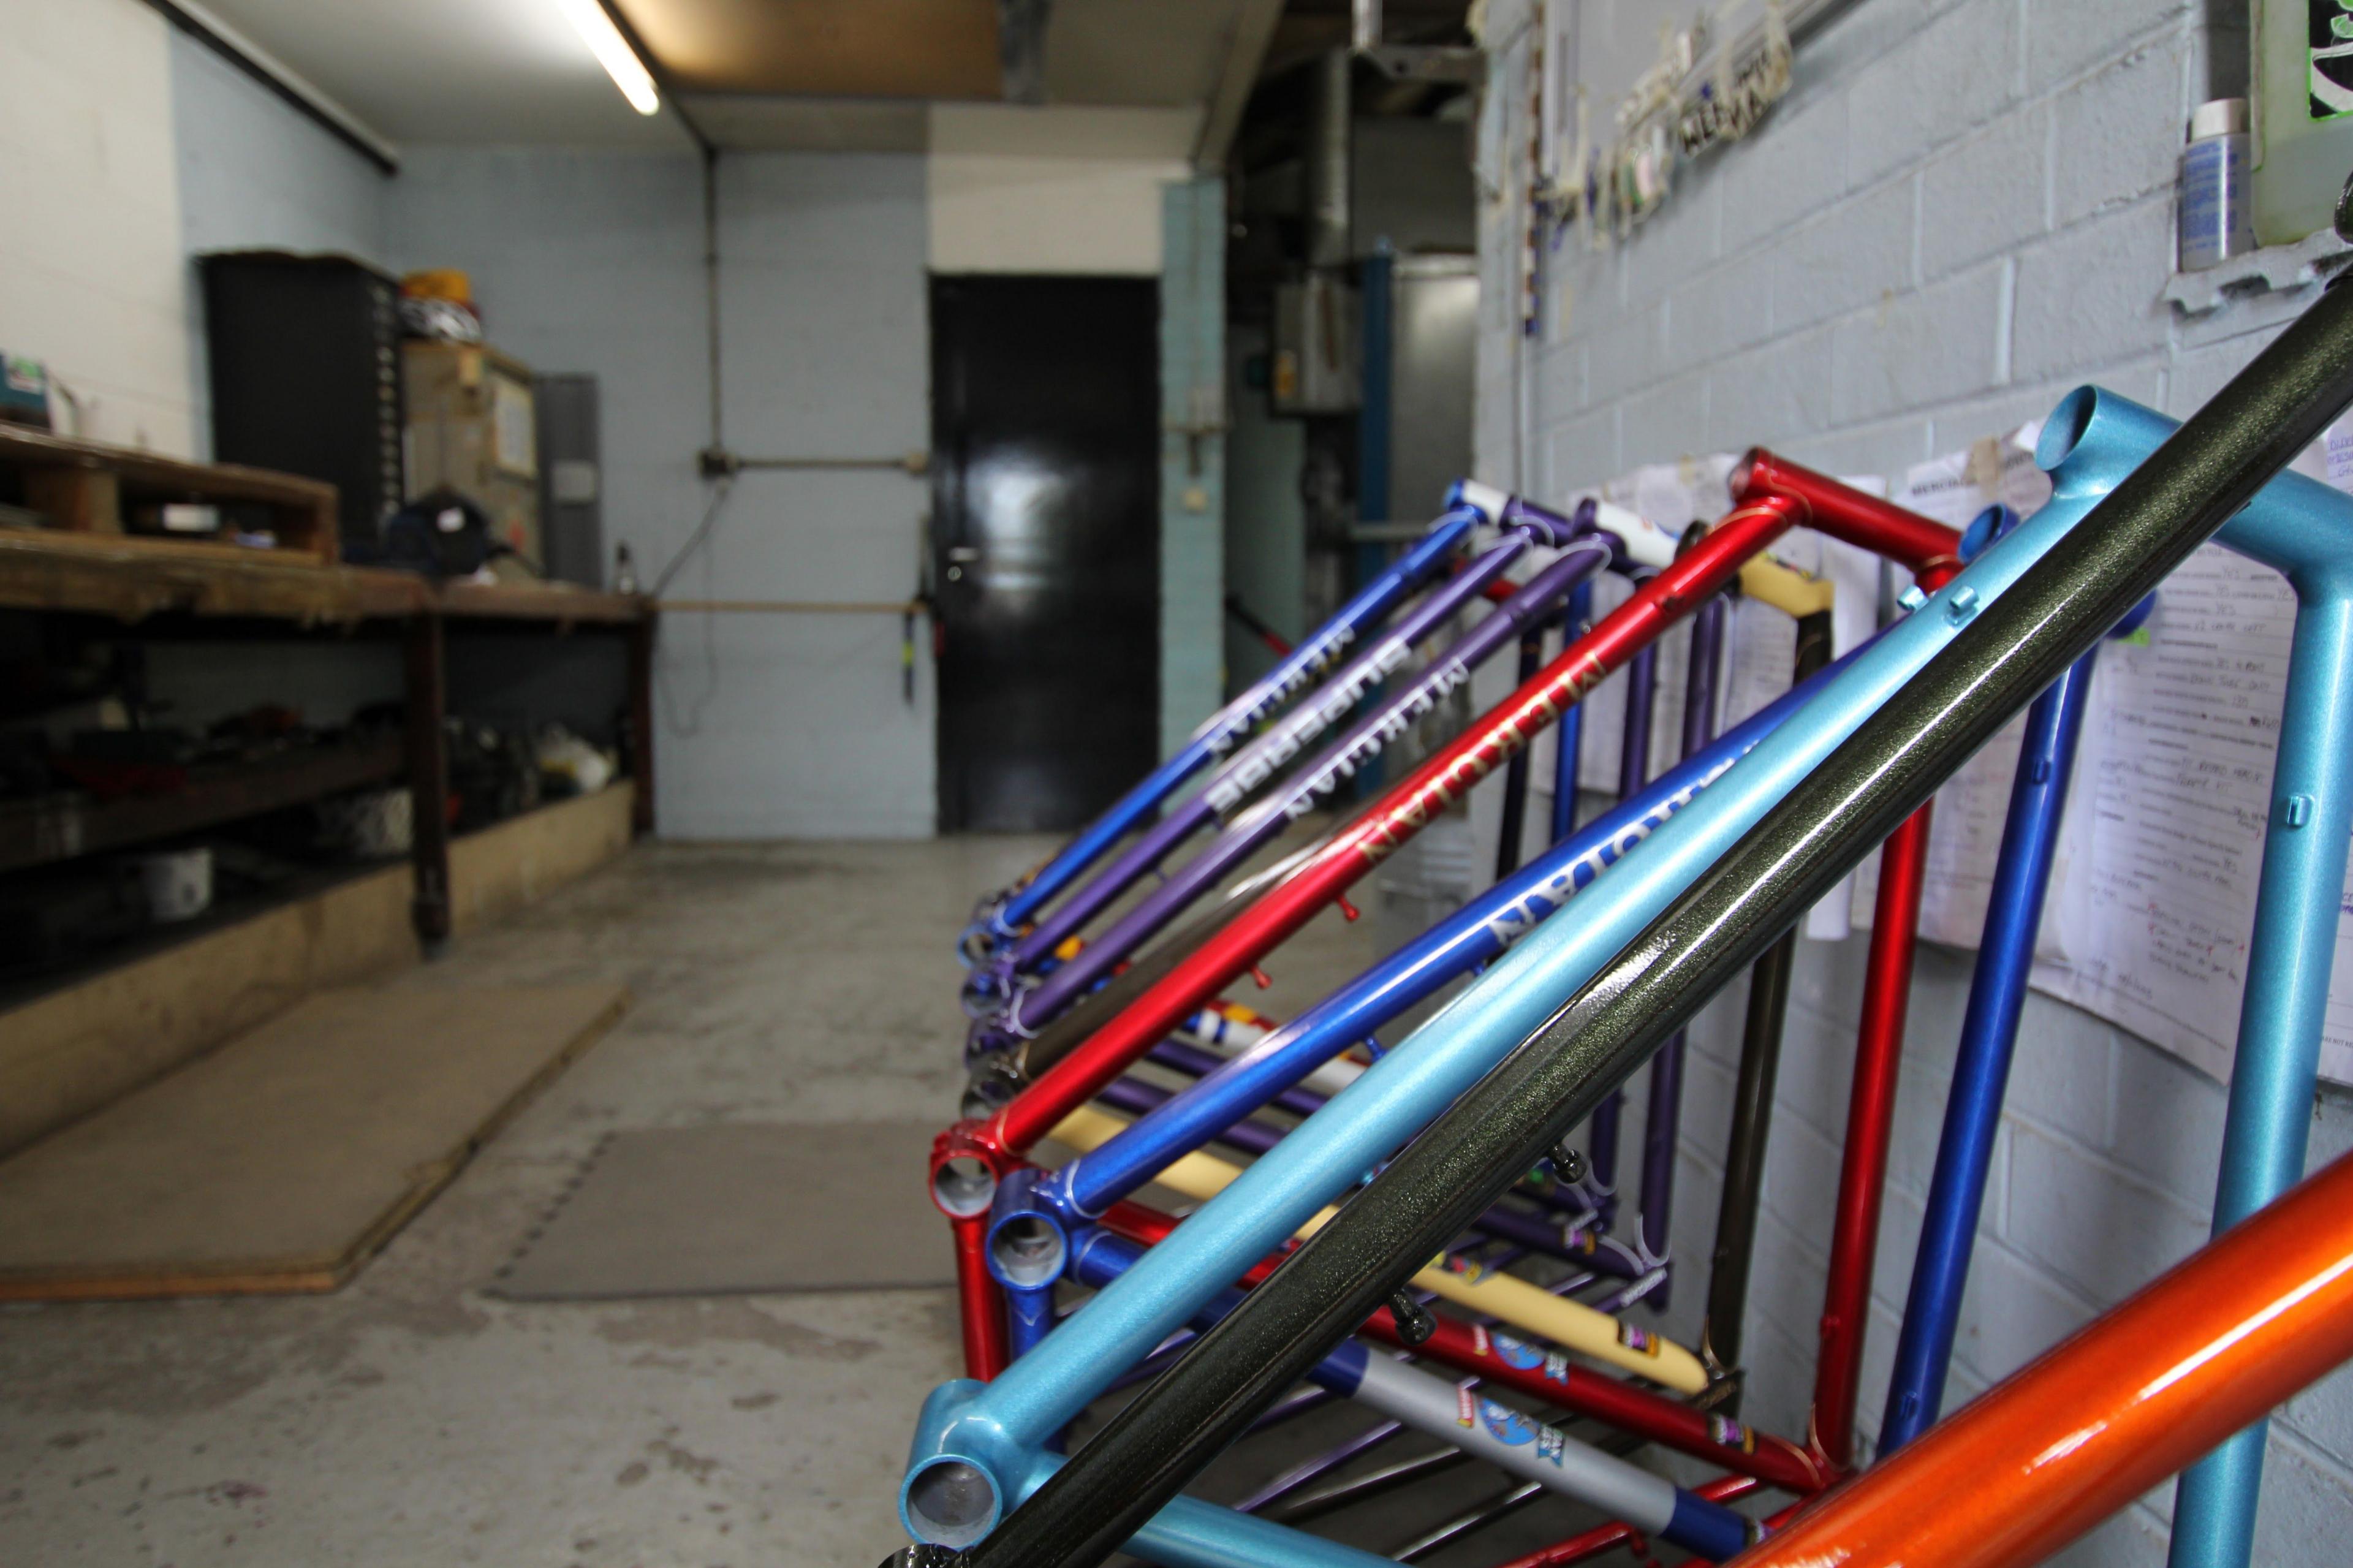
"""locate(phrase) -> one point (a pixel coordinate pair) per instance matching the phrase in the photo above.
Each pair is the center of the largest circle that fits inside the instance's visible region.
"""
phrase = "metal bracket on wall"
(719, 463)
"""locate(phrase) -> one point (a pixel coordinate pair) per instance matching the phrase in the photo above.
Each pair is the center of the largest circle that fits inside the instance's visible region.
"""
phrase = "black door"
(1046, 539)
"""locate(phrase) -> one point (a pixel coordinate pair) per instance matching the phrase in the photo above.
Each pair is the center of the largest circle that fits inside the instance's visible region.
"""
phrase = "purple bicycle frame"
(1580, 558)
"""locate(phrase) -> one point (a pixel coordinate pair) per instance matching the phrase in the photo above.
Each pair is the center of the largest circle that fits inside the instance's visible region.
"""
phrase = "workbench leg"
(427, 694)
(642, 723)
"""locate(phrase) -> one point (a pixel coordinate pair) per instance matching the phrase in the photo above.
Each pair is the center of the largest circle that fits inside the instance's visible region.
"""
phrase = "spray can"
(2214, 222)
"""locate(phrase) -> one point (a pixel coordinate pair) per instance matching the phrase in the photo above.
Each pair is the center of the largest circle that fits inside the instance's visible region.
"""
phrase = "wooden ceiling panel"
(846, 48)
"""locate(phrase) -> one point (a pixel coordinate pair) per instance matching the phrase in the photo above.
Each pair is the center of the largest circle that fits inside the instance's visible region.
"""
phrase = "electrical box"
(1315, 367)
(473, 427)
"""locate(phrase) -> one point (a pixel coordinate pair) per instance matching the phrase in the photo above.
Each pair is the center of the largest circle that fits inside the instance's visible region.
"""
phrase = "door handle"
(964, 553)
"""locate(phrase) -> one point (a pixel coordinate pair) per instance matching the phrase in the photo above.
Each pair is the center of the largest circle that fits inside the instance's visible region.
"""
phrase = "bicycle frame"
(2010, 633)
(969, 1157)
(1315, 780)
(1752, 1104)
(1001, 918)
(2046, 762)
(2304, 530)
(1255, 763)
(1399, 1092)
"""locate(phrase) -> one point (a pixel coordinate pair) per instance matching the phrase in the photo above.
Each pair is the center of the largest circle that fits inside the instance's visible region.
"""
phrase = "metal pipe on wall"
(1328, 108)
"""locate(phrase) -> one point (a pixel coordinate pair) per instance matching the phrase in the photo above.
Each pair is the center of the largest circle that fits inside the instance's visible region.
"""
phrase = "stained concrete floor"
(410, 1419)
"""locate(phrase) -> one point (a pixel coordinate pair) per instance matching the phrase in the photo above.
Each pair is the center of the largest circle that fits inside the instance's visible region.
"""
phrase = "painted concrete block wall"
(90, 246)
(254, 175)
(770, 725)
(1962, 210)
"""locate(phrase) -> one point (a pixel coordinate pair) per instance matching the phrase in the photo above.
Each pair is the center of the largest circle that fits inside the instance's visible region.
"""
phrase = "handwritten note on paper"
(2159, 899)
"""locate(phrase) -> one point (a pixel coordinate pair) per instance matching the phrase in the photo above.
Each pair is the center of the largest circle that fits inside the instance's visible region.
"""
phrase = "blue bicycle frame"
(975, 1445)
(1002, 917)
(2029, 842)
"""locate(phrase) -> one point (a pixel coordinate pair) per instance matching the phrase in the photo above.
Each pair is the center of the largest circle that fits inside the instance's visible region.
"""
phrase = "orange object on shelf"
(448, 283)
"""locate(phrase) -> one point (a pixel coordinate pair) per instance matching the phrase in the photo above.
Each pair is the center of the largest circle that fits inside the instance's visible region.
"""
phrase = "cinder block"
(2117, 133)
(2102, 1231)
(1999, 412)
(2128, 1540)
(1961, 70)
(2323, 1415)
(1768, 394)
(1785, 1284)
(1884, 446)
(1848, 256)
(2011, 1311)
(1720, 312)
(1827, 976)
(1665, 422)
(1780, 1387)
(1900, 1217)
(1920, 1099)
(1583, 451)
(1788, 169)
(1932, 345)
(1625, 353)
(1707, 1104)
(1986, 196)
(1674, 245)
(1801, 1178)
(2062, 1075)
(1817, 1075)
(2168, 1123)
(2091, 296)
(2307, 1502)
(2064, 36)
(2199, 374)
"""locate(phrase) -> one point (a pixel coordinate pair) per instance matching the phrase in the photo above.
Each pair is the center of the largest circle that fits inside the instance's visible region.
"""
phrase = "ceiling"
(753, 73)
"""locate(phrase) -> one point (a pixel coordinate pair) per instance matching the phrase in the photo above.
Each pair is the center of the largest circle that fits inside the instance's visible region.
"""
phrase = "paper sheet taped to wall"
(2153, 895)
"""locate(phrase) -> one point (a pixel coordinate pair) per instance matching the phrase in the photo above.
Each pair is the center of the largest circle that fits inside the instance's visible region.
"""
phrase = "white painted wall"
(1962, 210)
(89, 246)
(1056, 189)
(770, 726)
(256, 174)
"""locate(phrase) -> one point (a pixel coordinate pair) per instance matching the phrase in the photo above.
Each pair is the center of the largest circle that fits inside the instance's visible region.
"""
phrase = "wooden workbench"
(153, 582)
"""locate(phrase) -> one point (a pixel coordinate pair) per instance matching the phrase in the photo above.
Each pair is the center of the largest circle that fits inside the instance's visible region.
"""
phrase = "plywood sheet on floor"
(741, 1206)
(280, 1161)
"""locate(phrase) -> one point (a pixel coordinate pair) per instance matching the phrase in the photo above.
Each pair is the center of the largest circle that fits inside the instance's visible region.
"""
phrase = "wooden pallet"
(87, 488)
(283, 1160)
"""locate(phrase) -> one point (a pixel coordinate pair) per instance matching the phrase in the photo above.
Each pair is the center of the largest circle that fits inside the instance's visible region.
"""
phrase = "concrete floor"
(409, 1419)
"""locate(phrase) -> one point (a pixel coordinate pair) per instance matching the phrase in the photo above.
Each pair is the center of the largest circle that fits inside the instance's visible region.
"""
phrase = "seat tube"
(1871, 1115)
(1940, 1271)
(2276, 1068)
(1633, 772)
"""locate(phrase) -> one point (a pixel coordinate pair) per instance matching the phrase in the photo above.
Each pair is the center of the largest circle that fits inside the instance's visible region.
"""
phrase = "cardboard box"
(473, 427)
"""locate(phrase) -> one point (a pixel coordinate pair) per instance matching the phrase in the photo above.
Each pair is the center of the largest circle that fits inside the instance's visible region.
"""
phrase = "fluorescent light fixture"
(613, 52)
